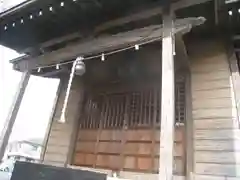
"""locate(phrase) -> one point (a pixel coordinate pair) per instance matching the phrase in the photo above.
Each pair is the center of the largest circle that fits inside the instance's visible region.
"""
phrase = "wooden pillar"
(6, 132)
(168, 100)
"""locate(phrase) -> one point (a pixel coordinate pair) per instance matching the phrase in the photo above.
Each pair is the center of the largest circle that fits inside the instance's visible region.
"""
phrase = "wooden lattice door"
(121, 131)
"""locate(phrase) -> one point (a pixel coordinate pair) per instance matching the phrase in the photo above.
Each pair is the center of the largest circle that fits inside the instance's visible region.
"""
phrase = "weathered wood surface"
(211, 85)
(60, 134)
(55, 156)
(213, 94)
(212, 103)
(210, 76)
(222, 134)
(167, 95)
(137, 150)
(219, 157)
(219, 145)
(216, 133)
(214, 124)
(213, 113)
(229, 170)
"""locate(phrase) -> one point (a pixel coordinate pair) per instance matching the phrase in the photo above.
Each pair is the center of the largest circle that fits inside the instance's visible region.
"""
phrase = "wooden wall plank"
(58, 141)
(211, 94)
(210, 76)
(219, 145)
(217, 157)
(211, 85)
(228, 123)
(57, 148)
(61, 127)
(231, 134)
(200, 67)
(55, 157)
(231, 170)
(217, 56)
(65, 133)
(213, 113)
(212, 103)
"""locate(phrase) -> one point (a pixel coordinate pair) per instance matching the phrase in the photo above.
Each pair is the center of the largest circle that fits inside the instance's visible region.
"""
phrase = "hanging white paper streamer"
(62, 119)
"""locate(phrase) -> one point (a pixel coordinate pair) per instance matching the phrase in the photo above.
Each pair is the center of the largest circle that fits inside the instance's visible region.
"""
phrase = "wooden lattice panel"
(121, 131)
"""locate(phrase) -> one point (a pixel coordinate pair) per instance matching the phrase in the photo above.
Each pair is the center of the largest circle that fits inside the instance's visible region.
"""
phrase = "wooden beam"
(167, 103)
(146, 14)
(99, 45)
(6, 132)
(52, 42)
(150, 12)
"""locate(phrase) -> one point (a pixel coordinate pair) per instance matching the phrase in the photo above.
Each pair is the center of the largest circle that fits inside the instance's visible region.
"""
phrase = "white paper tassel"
(136, 47)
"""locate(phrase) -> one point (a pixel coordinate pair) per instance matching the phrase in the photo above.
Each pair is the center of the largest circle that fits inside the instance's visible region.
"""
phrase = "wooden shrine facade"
(158, 99)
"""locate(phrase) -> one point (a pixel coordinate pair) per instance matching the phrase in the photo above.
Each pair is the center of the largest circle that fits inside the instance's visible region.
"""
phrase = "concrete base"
(123, 175)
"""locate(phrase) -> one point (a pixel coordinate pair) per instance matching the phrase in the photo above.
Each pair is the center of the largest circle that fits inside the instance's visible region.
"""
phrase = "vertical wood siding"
(61, 133)
(216, 134)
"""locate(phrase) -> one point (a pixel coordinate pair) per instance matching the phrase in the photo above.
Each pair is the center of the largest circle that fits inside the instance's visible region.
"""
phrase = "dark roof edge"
(16, 8)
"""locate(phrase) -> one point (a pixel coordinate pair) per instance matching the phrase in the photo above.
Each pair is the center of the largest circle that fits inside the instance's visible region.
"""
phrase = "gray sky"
(37, 103)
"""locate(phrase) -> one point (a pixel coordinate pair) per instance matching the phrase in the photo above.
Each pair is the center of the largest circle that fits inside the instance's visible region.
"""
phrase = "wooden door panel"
(121, 131)
(88, 135)
(108, 161)
(87, 147)
(110, 135)
(144, 164)
(139, 135)
(137, 149)
(129, 162)
(109, 147)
